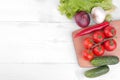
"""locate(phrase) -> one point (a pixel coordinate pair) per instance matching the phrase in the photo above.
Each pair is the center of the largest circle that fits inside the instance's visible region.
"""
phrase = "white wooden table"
(36, 42)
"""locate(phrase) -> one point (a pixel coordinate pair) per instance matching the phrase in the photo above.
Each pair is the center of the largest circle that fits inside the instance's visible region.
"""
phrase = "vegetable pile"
(102, 34)
(71, 7)
(83, 9)
(101, 39)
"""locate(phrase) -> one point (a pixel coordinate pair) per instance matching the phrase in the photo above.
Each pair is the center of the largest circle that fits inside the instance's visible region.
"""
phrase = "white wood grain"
(37, 10)
(36, 42)
(30, 10)
(51, 72)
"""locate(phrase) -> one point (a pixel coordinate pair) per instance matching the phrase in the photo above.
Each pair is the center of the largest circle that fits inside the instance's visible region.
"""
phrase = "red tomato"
(109, 31)
(88, 43)
(98, 36)
(99, 50)
(110, 45)
(88, 55)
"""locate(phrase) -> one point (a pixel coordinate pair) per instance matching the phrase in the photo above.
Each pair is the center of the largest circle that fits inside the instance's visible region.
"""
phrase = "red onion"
(82, 19)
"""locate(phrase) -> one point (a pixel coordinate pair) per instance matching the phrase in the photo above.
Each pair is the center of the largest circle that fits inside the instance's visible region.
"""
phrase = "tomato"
(109, 31)
(88, 55)
(98, 36)
(110, 45)
(88, 42)
(98, 50)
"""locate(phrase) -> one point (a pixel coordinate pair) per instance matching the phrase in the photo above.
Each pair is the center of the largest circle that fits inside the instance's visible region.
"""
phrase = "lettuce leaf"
(71, 7)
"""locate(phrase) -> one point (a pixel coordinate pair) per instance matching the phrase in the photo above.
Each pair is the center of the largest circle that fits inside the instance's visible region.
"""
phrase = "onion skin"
(82, 19)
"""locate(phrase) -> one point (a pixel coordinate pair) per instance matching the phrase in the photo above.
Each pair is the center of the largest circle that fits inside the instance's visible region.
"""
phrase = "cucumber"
(97, 71)
(105, 60)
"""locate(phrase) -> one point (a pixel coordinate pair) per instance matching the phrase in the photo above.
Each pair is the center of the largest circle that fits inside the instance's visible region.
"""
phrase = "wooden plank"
(51, 72)
(37, 10)
(36, 42)
(30, 10)
(36, 72)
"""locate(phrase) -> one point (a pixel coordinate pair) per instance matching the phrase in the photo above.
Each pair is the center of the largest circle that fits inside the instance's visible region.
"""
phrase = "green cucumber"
(97, 71)
(105, 60)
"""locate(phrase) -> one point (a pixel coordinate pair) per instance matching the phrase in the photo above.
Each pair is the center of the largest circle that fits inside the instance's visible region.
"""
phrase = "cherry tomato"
(98, 50)
(110, 45)
(109, 31)
(88, 42)
(88, 55)
(98, 36)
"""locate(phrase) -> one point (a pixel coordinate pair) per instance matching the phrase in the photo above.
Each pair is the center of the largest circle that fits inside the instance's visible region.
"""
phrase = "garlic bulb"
(98, 14)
